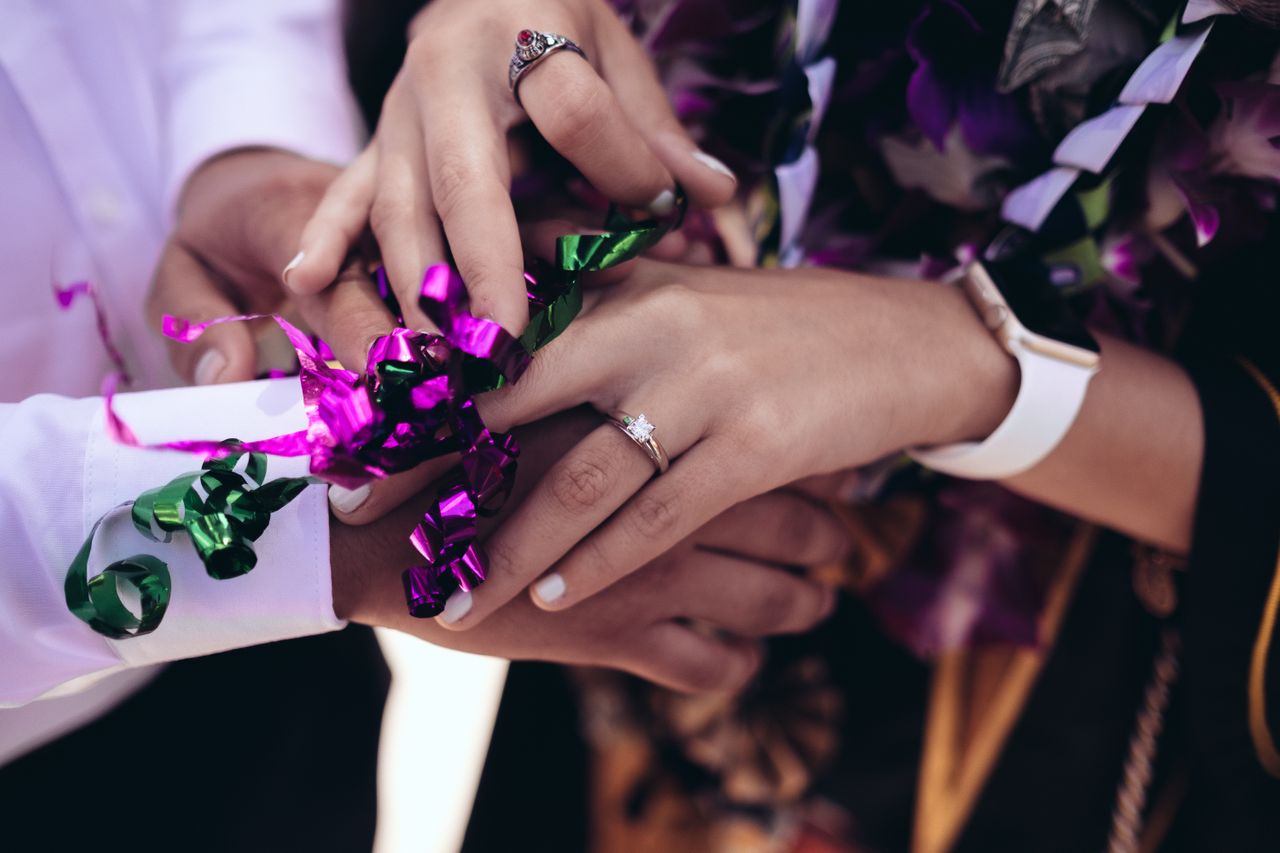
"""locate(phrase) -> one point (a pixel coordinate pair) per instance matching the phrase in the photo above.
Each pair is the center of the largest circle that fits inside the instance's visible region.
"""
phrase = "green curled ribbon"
(223, 508)
(97, 601)
(623, 240)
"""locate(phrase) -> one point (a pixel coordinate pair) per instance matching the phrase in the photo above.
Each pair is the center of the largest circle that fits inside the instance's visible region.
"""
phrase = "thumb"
(184, 288)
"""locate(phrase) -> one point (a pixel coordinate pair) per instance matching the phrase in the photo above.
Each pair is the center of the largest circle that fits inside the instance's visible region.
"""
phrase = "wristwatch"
(1056, 355)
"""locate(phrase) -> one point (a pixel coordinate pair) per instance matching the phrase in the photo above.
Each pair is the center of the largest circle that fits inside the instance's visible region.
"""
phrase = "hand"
(438, 166)
(238, 217)
(754, 379)
(641, 624)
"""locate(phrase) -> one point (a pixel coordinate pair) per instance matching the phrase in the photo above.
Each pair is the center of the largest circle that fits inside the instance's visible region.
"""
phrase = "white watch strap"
(1049, 398)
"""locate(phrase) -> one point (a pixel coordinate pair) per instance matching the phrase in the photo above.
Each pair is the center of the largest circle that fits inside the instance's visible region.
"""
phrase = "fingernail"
(663, 203)
(458, 605)
(713, 164)
(210, 367)
(349, 500)
(291, 266)
(550, 589)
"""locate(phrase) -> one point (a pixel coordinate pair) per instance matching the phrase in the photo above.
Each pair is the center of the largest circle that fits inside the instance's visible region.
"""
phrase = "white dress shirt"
(106, 108)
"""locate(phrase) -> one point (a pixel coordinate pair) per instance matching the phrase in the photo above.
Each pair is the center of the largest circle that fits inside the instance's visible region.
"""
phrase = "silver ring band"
(639, 430)
(531, 48)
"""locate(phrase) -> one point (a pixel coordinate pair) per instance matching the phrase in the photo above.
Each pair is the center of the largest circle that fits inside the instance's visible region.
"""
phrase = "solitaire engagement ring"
(639, 430)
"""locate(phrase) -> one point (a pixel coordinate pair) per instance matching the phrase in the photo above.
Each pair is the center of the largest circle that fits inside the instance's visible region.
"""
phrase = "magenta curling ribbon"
(67, 296)
(413, 403)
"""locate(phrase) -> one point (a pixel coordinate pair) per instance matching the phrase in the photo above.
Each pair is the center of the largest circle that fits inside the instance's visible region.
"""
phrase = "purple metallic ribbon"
(413, 403)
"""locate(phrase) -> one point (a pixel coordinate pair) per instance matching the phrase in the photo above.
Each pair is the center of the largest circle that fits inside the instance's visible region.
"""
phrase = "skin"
(235, 214)
(755, 379)
(760, 378)
(438, 170)
(642, 624)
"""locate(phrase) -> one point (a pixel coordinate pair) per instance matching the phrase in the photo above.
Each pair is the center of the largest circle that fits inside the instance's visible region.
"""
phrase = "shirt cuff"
(288, 594)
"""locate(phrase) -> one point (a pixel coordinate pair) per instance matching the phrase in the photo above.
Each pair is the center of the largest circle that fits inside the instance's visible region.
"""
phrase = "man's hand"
(239, 219)
(690, 620)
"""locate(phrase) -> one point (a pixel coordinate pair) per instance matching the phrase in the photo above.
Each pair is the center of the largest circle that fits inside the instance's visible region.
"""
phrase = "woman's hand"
(438, 168)
(754, 379)
(724, 577)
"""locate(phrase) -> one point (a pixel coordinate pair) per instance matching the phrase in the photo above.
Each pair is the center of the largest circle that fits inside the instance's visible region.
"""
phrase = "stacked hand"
(439, 169)
(690, 619)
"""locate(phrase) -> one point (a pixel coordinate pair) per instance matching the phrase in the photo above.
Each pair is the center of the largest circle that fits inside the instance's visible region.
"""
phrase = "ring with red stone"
(531, 48)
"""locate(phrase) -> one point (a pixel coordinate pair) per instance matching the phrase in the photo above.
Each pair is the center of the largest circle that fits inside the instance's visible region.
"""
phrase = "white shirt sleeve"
(240, 73)
(60, 473)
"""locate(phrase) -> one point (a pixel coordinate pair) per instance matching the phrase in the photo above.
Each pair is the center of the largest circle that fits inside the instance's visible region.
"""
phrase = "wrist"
(965, 382)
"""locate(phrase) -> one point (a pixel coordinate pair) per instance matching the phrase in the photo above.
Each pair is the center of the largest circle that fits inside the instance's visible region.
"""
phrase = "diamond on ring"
(638, 427)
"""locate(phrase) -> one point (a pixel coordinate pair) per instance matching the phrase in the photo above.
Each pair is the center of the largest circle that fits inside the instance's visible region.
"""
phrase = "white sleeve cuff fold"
(288, 593)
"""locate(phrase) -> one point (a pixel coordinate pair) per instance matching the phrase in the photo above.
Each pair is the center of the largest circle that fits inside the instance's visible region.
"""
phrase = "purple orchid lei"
(913, 158)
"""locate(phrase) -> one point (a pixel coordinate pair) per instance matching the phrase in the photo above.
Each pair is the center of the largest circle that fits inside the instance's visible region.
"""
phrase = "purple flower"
(1245, 139)
(954, 83)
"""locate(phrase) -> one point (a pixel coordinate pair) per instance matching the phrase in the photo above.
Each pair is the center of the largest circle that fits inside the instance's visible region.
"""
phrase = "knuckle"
(701, 670)
(503, 559)
(681, 304)
(389, 210)
(578, 104)
(453, 179)
(775, 605)
(798, 529)
(654, 516)
(582, 483)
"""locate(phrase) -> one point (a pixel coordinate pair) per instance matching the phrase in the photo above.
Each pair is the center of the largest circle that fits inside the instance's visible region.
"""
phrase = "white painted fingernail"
(292, 265)
(458, 605)
(550, 589)
(349, 500)
(210, 367)
(713, 164)
(664, 203)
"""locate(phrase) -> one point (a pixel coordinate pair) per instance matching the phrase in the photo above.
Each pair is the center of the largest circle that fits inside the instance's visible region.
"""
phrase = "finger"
(334, 228)
(184, 288)
(658, 517)
(348, 316)
(628, 70)
(749, 599)
(403, 217)
(577, 113)
(682, 659)
(780, 528)
(469, 179)
(575, 496)
(370, 502)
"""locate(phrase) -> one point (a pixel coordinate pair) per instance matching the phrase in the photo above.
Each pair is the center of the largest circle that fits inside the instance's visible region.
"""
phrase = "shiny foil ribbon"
(223, 508)
(415, 401)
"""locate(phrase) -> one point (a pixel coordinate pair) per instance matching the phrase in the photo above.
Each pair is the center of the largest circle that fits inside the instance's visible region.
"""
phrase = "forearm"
(1132, 459)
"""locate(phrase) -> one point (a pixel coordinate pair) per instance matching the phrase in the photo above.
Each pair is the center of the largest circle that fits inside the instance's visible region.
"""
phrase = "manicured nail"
(713, 164)
(292, 265)
(349, 500)
(664, 203)
(210, 367)
(458, 605)
(550, 589)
